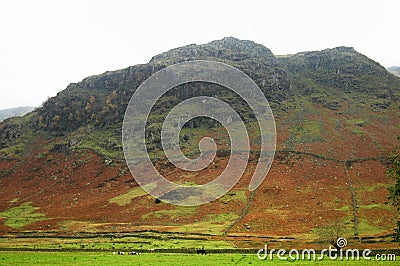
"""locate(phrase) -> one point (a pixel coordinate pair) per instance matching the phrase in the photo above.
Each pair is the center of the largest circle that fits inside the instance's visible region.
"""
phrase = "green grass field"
(107, 258)
(142, 242)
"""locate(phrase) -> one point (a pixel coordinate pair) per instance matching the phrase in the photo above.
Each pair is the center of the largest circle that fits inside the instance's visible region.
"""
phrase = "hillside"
(15, 111)
(337, 114)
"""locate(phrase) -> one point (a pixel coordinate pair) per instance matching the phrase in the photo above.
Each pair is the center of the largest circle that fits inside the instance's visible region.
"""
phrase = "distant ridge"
(394, 70)
(15, 111)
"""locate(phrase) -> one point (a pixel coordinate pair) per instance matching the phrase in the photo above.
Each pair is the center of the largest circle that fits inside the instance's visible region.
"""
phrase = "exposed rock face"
(9, 133)
(62, 147)
(342, 68)
(101, 100)
(331, 78)
(227, 49)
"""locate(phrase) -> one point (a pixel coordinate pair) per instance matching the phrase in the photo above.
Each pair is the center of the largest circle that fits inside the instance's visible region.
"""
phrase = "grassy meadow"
(107, 258)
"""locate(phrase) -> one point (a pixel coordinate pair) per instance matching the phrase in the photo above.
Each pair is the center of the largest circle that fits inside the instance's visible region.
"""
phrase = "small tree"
(394, 172)
(330, 234)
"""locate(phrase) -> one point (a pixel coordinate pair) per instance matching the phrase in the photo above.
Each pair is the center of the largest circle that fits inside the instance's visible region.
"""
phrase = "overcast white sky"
(45, 45)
